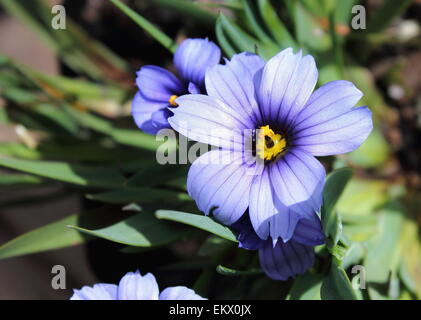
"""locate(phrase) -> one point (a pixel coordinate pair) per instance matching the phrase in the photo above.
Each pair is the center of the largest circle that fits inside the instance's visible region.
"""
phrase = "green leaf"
(306, 287)
(140, 230)
(232, 272)
(55, 235)
(66, 172)
(223, 40)
(157, 34)
(335, 184)
(51, 236)
(8, 179)
(254, 24)
(275, 25)
(383, 254)
(198, 221)
(189, 9)
(336, 285)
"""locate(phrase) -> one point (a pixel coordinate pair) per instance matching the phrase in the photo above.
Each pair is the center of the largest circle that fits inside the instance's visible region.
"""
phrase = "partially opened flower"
(134, 286)
(158, 88)
(291, 125)
(284, 259)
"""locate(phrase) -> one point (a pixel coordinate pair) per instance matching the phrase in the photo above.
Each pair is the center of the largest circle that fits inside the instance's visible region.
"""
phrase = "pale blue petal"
(157, 84)
(285, 85)
(101, 291)
(193, 57)
(298, 180)
(208, 120)
(219, 183)
(134, 286)
(233, 84)
(179, 293)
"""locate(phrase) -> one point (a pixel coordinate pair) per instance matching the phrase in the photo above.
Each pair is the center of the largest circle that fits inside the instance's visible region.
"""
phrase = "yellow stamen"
(269, 144)
(172, 102)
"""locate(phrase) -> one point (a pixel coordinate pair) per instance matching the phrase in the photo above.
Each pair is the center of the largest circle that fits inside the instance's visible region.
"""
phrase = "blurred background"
(65, 97)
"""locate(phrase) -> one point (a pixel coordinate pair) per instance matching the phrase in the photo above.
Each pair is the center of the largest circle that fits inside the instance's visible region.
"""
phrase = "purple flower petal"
(208, 120)
(285, 260)
(247, 237)
(298, 180)
(285, 85)
(179, 293)
(193, 57)
(160, 118)
(219, 183)
(134, 286)
(158, 84)
(193, 88)
(309, 231)
(142, 111)
(329, 124)
(233, 84)
(101, 291)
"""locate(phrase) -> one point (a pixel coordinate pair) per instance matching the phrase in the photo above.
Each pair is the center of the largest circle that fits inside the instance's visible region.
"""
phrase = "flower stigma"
(269, 144)
(172, 102)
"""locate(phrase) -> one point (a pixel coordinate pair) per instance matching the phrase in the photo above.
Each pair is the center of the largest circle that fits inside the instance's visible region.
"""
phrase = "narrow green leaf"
(223, 40)
(255, 26)
(55, 235)
(66, 172)
(275, 25)
(241, 40)
(232, 272)
(189, 9)
(140, 230)
(198, 221)
(157, 34)
(51, 236)
(9, 179)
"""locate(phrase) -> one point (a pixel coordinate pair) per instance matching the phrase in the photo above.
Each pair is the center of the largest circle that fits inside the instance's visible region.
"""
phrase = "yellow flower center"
(172, 102)
(269, 144)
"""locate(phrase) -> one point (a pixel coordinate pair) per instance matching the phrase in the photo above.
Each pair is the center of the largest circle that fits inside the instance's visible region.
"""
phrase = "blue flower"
(158, 88)
(134, 286)
(289, 124)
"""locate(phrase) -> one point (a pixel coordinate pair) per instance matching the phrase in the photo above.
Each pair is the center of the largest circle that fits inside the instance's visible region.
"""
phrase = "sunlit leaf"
(198, 221)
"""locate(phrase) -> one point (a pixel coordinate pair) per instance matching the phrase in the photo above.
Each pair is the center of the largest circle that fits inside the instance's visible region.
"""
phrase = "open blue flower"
(290, 125)
(134, 286)
(158, 88)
